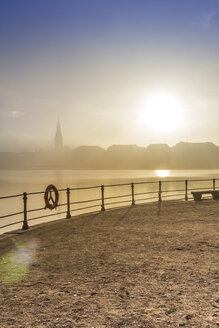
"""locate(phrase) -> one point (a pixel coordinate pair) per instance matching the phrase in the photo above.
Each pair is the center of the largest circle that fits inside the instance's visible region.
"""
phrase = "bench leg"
(215, 196)
(197, 198)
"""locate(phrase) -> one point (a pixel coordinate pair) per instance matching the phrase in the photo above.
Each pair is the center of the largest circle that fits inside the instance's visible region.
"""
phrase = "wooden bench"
(197, 195)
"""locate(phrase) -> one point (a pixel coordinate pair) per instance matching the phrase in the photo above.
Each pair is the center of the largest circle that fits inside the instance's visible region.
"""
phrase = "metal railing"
(102, 201)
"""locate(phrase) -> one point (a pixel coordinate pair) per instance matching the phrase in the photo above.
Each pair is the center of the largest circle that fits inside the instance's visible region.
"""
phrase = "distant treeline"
(158, 156)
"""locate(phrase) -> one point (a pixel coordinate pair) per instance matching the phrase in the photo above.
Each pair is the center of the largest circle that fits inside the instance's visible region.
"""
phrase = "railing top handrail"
(82, 188)
(35, 193)
(145, 182)
(178, 180)
(11, 196)
(199, 180)
(113, 185)
(117, 184)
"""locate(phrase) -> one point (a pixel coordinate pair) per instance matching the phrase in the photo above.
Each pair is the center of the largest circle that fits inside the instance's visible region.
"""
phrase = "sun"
(162, 112)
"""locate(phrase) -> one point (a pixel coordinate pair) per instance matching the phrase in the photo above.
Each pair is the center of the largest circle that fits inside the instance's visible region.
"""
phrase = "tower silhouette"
(58, 138)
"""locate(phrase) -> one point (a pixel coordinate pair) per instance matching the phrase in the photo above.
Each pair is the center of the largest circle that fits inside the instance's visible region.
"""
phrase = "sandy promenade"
(141, 266)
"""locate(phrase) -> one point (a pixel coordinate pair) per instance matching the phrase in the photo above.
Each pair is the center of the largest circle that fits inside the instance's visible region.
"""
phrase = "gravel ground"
(144, 266)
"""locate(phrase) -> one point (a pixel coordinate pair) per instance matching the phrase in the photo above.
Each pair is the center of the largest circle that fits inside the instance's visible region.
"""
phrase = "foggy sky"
(89, 63)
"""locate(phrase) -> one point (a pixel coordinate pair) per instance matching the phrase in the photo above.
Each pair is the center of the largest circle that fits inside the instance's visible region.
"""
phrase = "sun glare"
(162, 113)
(162, 173)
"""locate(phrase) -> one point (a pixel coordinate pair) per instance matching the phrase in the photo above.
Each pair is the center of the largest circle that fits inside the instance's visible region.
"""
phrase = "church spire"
(58, 138)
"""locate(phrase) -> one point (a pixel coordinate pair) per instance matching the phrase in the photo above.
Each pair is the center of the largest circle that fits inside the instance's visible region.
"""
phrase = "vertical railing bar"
(102, 195)
(186, 189)
(133, 194)
(25, 224)
(159, 193)
(68, 214)
(213, 184)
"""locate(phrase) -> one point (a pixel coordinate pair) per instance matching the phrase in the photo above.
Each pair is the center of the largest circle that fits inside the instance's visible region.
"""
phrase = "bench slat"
(202, 192)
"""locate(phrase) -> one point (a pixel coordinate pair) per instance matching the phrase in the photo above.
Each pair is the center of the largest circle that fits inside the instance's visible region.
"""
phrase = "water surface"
(17, 182)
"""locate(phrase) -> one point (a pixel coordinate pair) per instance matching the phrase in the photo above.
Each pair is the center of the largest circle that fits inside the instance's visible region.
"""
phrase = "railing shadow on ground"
(107, 197)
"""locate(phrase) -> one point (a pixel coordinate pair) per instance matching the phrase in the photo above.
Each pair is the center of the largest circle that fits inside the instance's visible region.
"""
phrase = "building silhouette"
(58, 138)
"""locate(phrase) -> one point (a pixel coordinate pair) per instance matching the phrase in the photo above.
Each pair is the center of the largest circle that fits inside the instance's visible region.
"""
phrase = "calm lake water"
(16, 182)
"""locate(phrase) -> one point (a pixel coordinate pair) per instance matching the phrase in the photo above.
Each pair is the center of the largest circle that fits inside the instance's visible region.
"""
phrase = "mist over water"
(13, 182)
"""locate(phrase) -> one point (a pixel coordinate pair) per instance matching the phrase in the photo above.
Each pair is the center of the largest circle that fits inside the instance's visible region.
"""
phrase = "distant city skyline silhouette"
(156, 156)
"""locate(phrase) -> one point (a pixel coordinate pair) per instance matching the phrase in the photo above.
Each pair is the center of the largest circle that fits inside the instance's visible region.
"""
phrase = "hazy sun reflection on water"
(162, 173)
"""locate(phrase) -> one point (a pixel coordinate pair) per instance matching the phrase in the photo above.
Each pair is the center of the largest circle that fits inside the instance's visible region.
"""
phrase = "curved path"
(142, 266)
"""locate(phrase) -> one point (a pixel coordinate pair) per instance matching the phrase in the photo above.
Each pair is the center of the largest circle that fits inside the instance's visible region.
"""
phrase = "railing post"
(68, 214)
(102, 194)
(213, 184)
(159, 194)
(25, 224)
(133, 194)
(186, 189)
